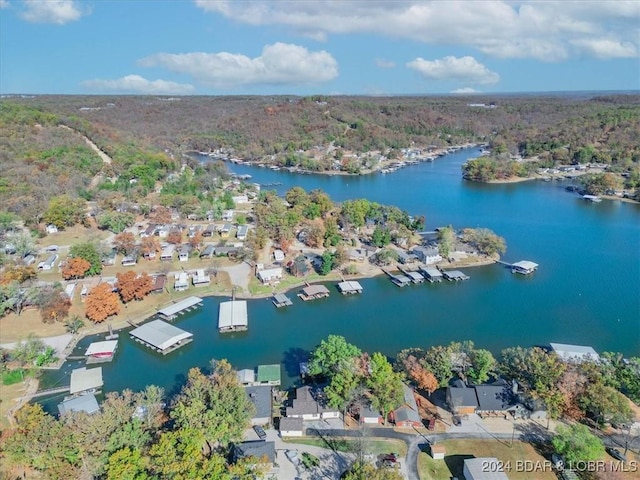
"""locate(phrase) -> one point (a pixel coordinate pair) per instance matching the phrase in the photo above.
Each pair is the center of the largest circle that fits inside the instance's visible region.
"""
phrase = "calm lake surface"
(586, 290)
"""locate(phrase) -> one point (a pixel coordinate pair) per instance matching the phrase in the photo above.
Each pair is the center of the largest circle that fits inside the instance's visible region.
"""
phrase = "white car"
(292, 455)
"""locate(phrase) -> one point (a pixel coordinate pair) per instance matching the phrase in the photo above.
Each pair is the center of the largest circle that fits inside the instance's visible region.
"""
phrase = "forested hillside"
(145, 136)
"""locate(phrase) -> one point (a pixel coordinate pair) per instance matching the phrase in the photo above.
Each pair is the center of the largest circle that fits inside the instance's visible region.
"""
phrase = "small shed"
(161, 336)
(232, 316)
(85, 379)
(438, 451)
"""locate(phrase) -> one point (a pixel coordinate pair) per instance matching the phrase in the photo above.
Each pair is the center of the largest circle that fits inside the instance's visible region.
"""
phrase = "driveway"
(239, 275)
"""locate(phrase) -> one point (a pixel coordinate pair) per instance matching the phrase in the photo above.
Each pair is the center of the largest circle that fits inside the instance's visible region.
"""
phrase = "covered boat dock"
(186, 305)
(232, 316)
(161, 336)
(349, 287)
(100, 352)
(313, 292)
(432, 274)
(281, 300)
(524, 267)
(454, 275)
(85, 380)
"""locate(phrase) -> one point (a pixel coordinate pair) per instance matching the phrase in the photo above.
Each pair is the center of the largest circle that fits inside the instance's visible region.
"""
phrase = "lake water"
(586, 290)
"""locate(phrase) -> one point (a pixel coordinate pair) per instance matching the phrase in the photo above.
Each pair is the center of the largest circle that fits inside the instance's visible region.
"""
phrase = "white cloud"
(502, 28)
(52, 11)
(382, 63)
(279, 64)
(138, 84)
(606, 48)
(463, 69)
(465, 91)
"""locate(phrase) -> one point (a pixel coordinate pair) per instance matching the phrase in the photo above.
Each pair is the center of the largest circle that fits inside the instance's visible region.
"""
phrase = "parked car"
(617, 454)
(51, 248)
(292, 455)
(260, 432)
(457, 420)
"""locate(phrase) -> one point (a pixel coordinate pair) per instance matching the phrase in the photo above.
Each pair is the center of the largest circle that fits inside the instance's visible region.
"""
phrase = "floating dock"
(454, 275)
(413, 275)
(313, 292)
(281, 300)
(399, 280)
(349, 287)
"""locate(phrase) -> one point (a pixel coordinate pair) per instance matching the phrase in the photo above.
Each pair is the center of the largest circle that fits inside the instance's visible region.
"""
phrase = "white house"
(227, 216)
(291, 427)
(427, 255)
(181, 283)
(48, 263)
(242, 232)
(270, 275)
(200, 278)
(278, 255)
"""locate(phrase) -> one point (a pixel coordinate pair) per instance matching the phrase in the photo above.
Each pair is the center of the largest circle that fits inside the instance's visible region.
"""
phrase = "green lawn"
(459, 450)
(373, 447)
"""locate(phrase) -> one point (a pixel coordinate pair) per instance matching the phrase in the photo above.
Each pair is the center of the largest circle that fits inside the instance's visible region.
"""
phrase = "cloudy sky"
(229, 47)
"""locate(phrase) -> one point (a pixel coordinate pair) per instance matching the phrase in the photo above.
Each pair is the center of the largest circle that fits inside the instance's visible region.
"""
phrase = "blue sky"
(203, 47)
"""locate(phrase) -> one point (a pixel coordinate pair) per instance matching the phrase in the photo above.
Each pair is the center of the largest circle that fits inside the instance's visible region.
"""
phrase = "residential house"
(427, 254)
(357, 255)
(208, 251)
(159, 282)
(299, 267)
(278, 256)
(224, 251)
(260, 396)
(200, 279)
(270, 275)
(369, 415)
(462, 400)
(109, 258)
(241, 233)
(209, 231)
(149, 231)
(49, 263)
(181, 282)
(193, 231)
(227, 216)
(183, 253)
(129, 261)
(167, 253)
(484, 468)
(311, 404)
(405, 257)
(407, 415)
(225, 230)
(240, 199)
(28, 259)
(259, 450)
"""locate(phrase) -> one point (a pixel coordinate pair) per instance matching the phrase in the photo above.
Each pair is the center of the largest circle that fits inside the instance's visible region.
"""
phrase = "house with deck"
(311, 404)
(427, 254)
(407, 415)
(269, 276)
(181, 281)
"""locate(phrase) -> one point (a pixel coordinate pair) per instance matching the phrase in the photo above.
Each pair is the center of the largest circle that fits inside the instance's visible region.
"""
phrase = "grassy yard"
(459, 450)
(288, 282)
(373, 447)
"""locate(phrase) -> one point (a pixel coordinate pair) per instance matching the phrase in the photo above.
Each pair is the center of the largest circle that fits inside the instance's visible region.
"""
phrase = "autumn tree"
(149, 245)
(17, 273)
(196, 241)
(423, 378)
(160, 215)
(101, 303)
(75, 268)
(125, 243)
(175, 237)
(133, 286)
(89, 251)
(53, 304)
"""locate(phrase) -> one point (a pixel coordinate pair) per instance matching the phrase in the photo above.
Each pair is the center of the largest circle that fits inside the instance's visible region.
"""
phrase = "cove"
(586, 291)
